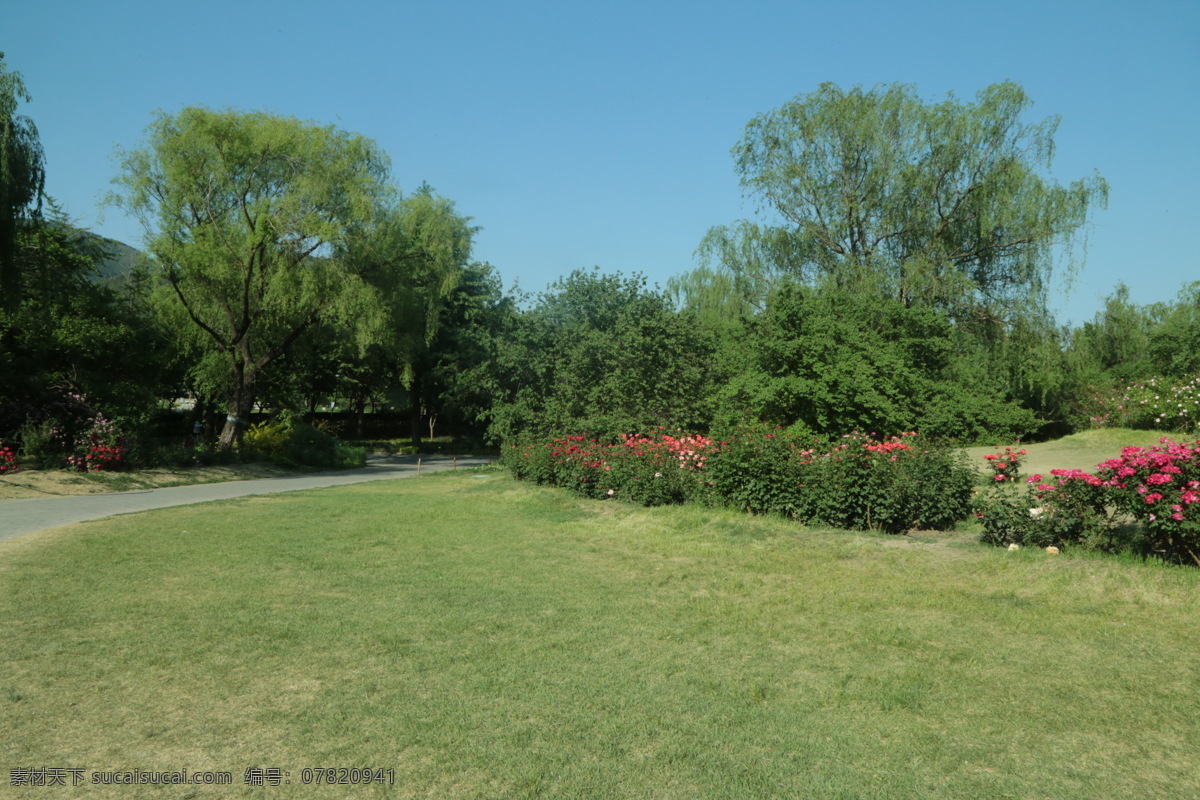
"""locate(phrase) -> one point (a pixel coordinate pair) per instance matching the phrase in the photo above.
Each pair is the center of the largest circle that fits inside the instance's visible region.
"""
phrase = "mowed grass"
(1083, 450)
(488, 639)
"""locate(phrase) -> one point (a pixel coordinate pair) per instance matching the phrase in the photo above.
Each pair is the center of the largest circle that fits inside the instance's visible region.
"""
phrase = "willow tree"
(244, 214)
(412, 257)
(22, 178)
(946, 203)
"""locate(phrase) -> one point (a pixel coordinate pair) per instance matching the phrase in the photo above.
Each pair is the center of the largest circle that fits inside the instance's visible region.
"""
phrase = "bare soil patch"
(45, 483)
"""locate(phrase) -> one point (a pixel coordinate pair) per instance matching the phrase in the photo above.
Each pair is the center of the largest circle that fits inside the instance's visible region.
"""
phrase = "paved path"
(19, 517)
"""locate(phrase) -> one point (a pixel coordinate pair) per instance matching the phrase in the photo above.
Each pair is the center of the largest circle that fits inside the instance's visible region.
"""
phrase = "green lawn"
(1082, 450)
(488, 639)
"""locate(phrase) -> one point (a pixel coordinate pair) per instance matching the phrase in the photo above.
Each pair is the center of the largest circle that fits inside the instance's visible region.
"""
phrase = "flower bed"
(1156, 489)
(856, 482)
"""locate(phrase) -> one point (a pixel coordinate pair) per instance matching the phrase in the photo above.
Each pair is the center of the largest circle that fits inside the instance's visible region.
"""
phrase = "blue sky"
(580, 135)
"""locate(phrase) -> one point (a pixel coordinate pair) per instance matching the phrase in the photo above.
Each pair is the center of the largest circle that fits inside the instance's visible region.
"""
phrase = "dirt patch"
(50, 483)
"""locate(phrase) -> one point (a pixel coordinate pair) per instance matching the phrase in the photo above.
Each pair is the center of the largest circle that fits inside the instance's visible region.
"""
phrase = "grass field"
(488, 639)
(1080, 450)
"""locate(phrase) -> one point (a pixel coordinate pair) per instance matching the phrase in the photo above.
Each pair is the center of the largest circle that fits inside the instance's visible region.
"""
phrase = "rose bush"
(1155, 489)
(8, 459)
(857, 482)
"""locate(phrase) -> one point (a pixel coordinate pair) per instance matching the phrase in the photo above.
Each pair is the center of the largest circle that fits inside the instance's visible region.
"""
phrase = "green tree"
(244, 213)
(70, 336)
(413, 260)
(465, 377)
(601, 355)
(22, 178)
(834, 360)
(948, 204)
(1116, 342)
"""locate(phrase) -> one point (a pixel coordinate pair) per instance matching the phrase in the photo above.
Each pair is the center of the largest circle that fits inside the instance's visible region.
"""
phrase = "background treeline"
(895, 281)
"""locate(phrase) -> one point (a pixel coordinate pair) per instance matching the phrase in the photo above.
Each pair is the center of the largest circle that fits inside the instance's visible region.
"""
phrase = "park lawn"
(1083, 450)
(489, 639)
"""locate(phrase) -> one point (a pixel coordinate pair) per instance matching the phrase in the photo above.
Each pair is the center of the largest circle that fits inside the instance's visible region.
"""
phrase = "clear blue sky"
(599, 134)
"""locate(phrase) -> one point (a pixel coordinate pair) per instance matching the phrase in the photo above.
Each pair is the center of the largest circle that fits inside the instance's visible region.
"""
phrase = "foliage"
(68, 336)
(100, 448)
(289, 441)
(836, 360)
(22, 179)
(8, 459)
(1174, 346)
(855, 482)
(414, 259)
(1115, 343)
(1077, 515)
(947, 204)
(1157, 403)
(1006, 465)
(660, 470)
(1156, 488)
(858, 482)
(267, 438)
(243, 213)
(601, 354)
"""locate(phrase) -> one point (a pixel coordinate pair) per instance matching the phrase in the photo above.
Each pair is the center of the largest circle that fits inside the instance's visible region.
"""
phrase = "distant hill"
(118, 260)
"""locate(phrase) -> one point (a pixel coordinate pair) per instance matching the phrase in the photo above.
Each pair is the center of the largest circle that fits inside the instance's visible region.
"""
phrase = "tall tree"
(413, 258)
(948, 204)
(600, 355)
(22, 178)
(244, 213)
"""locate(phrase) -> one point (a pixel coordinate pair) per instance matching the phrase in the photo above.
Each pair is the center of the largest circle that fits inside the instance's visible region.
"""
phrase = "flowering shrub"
(860, 482)
(1162, 404)
(855, 482)
(1155, 404)
(100, 447)
(641, 469)
(1006, 466)
(1155, 488)
(8, 459)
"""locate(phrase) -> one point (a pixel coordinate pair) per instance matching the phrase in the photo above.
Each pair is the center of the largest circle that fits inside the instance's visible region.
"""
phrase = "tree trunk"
(241, 403)
(414, 394)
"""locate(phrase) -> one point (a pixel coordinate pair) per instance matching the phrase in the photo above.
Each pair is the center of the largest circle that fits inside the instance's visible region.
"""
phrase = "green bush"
(267, 439)
(1154, 492)
(861, 482)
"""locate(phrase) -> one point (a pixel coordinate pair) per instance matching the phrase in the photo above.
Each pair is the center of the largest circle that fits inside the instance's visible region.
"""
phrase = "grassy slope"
(1079, 451)
(489, 639)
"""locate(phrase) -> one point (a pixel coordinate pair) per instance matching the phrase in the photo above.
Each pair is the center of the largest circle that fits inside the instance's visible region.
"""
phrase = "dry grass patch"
(25, 484)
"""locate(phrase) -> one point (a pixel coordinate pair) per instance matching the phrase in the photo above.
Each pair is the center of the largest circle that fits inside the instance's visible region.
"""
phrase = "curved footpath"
(19, 517)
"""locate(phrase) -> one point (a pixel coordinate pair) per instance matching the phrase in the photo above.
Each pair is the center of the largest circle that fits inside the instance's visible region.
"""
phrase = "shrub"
(1156, 488)
(99, 448)
(267, 439)
(8, 460)
(291, 442)
(861, 482)
(650, 471)
(1070, 513)
(1006, 466)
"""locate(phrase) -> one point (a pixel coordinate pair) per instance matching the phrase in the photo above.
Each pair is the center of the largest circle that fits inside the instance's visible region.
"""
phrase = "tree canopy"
(243, 213)
(22, 177)
(947, 203)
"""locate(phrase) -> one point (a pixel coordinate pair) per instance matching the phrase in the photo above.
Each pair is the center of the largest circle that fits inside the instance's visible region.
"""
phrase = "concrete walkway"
(19, 517)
